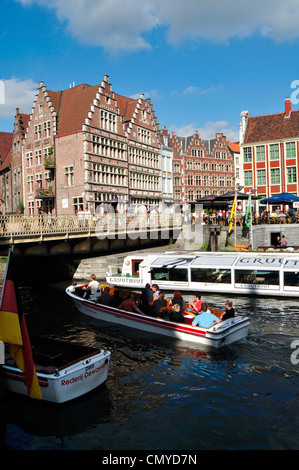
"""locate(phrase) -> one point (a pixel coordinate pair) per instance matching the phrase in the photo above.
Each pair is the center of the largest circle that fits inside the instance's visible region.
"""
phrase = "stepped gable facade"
(91, 149)
(6, 139)
(38, 154)
(95, 145)
(144, 149)
(16, 201)
(207, 167)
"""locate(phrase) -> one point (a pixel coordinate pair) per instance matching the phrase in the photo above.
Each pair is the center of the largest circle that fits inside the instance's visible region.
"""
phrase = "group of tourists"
(153, 302)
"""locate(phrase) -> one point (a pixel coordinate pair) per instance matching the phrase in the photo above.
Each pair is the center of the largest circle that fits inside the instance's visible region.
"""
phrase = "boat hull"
(217, 336)
(64, 384)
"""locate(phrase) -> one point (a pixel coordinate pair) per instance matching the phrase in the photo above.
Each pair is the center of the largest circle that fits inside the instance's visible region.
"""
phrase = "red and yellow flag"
(13, 330)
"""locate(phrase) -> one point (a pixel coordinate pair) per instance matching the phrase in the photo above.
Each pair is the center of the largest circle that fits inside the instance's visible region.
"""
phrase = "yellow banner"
(232, 215)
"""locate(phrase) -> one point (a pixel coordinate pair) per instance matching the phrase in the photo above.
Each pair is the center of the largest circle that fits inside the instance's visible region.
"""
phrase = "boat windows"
(291, 279)
(214, 275)
(169, 274)
(255, 277)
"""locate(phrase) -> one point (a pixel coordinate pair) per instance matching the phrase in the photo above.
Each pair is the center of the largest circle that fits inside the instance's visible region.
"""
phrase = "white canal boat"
(65, 371)
(265, 273)
(223, 333)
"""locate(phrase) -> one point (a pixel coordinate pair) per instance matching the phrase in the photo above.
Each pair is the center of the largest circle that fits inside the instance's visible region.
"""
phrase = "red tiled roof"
(272, 127)
(72, 106)
(234, 146)
(7, 160)
(126, 106)
(55, 97)
(5, 143)
(5, 147)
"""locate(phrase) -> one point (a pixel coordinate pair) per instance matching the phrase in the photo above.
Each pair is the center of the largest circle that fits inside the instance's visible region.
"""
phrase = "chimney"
(288, 108)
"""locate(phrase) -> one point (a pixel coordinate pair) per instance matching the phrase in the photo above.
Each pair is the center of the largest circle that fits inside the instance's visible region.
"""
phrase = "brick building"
(166, 168)
(38, 153)
(269, 147)
(20, 128)
(144, 145)
(207, 167)
(6, 139)
(87, 145)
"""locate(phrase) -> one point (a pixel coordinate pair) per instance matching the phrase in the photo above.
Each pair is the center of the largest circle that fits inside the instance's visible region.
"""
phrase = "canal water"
(163, 395)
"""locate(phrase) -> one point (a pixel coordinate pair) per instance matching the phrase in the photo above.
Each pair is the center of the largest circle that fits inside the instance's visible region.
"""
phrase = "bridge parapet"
(25, 228)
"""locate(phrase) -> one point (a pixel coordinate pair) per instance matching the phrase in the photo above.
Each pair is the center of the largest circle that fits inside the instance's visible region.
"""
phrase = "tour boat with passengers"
(65, 371)
(259, 273)
(219, 334)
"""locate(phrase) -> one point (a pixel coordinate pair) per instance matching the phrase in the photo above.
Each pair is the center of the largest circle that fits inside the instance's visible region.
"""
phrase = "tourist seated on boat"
(195, 306)
(105, 298)
(92, 287)
(146, 295)
(155, 289)
(205, 319)
(175, 314)
(229, 311)
(116, 299)
(178, 299)
(130, 305)
(160, 303)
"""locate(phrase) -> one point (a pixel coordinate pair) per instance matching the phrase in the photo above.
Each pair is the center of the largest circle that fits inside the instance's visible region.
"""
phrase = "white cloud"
(195, 90)
(17, 94)
(208, 131)
(152, 94)
(115, 25)
(220, 21)
(119, 25)
(210, 128)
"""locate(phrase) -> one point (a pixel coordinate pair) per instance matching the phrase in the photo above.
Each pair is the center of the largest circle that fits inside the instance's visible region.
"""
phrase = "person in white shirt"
(92, 287)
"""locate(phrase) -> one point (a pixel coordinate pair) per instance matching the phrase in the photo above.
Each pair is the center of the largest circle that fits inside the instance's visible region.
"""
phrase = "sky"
(201, 62)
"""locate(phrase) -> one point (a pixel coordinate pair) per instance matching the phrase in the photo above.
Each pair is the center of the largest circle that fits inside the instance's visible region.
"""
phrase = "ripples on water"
(162, 395)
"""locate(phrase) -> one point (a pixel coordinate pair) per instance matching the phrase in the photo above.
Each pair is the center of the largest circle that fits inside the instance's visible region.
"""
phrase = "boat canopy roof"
(223, 261)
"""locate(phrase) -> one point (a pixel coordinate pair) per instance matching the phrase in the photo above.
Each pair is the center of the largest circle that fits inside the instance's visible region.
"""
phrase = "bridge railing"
(26, 226)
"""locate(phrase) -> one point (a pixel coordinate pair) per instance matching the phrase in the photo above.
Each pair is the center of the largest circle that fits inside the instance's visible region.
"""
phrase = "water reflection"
(45, 419)
(162, 394)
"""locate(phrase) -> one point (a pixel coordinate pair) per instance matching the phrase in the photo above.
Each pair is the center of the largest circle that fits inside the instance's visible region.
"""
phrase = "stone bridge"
(43, 235)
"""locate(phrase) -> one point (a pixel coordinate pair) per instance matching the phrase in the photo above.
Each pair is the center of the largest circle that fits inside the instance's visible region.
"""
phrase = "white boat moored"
(65, 371)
